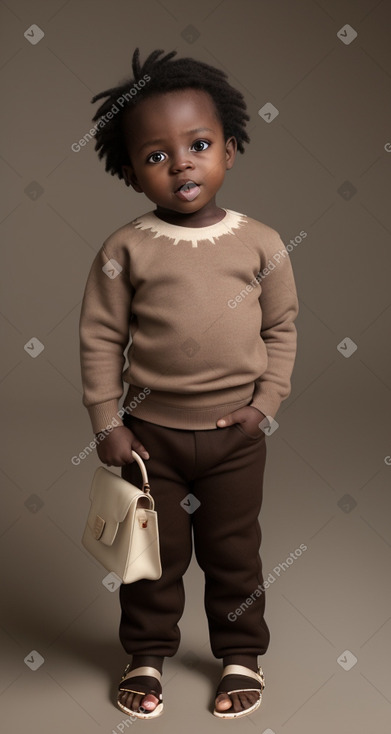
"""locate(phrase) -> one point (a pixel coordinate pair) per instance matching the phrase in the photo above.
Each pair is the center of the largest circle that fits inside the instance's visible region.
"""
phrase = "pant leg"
(151, 609)
(227, 537)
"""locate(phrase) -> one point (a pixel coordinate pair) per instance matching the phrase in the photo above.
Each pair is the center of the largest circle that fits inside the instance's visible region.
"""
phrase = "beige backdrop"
(321, 166)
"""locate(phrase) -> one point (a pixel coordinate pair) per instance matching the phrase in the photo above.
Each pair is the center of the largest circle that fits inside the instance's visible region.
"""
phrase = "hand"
(248, 416)
(116, 448)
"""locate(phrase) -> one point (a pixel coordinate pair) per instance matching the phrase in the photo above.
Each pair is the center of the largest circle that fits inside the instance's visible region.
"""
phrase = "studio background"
(319, 164)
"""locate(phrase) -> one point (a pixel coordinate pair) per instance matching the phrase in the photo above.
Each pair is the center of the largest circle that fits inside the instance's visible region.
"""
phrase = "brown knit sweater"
(209, 313)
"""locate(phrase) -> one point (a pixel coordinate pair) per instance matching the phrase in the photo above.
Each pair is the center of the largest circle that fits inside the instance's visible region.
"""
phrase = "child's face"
(165, 150)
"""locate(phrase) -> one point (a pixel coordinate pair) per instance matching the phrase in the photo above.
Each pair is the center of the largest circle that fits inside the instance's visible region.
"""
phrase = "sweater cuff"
(104, 416)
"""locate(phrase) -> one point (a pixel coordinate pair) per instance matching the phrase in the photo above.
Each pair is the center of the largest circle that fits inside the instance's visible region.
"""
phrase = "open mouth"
(188, 191)
(187, 186)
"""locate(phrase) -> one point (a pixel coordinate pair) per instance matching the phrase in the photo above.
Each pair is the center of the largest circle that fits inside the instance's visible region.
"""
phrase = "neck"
(205, 217)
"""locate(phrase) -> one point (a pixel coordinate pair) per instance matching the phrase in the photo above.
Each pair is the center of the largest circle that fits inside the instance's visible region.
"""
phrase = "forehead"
(171, 110)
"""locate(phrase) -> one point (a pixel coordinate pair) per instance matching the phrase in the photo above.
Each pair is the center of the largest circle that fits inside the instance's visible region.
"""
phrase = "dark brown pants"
(222, 471)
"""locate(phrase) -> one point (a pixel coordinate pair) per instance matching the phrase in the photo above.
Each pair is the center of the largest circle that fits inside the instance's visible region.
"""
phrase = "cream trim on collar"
(176, 233)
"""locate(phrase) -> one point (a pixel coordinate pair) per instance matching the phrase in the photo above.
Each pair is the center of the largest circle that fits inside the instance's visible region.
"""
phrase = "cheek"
(151, 178)
(218, 173)
(219, 161)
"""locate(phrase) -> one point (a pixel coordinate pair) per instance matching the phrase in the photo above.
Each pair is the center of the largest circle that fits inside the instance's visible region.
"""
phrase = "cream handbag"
(122, 527)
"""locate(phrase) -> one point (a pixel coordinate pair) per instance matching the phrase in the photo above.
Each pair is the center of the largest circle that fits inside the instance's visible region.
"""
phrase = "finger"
(140, 449)
(225, 421)
(237, 416)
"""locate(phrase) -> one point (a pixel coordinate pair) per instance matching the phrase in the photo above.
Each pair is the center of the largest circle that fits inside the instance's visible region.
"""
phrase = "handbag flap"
(111, 498)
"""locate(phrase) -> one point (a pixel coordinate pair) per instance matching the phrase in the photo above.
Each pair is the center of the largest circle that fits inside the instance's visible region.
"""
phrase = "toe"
(126, 699)
(149, 702)
(236, 704)
(223, 702)
(246, 700)
(135, 701)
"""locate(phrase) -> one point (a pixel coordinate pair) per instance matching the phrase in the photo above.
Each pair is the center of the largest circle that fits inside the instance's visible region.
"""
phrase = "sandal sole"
(139, 715)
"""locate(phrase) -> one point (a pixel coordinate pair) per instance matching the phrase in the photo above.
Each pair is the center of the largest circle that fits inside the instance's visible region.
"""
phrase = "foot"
(236, 701)
(136, 701)
(140, 692)
(233, 696)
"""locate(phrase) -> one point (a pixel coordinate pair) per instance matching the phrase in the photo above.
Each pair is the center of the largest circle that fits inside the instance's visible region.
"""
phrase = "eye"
(201, 142)
(153, 156)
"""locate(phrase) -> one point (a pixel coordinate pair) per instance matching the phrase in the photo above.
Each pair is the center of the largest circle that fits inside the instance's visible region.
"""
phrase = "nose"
(180, 161)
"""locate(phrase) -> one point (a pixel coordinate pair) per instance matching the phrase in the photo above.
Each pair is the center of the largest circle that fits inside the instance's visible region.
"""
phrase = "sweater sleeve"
(279, 305)
(104, 334)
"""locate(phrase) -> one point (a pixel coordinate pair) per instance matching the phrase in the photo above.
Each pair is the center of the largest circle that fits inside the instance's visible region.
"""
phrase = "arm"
(104, 335)
(280, 307)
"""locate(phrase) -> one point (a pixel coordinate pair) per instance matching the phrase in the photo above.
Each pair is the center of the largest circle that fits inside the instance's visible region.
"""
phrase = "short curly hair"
(158, 76)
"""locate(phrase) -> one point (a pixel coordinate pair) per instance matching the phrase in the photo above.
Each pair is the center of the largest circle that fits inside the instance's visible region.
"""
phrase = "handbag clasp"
(99, 526)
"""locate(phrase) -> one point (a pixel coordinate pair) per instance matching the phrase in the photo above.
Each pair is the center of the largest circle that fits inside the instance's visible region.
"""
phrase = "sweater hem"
(183, 415)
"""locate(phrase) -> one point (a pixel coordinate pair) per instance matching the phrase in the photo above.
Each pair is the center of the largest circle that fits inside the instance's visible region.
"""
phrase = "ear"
(231, 147)
(131, 179)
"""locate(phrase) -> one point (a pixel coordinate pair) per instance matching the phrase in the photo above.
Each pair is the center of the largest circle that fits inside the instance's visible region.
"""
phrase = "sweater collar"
(232, 221)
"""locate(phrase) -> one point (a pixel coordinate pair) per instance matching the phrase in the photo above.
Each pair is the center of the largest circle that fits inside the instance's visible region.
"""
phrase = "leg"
(151, 609)
(227, 537)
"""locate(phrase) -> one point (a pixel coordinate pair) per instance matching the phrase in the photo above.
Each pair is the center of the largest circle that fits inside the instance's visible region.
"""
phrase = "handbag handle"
(145, 488)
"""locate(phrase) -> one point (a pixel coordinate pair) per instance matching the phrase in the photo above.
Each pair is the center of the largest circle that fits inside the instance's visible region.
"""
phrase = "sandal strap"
(143, 680)
(242, 670)
(143, 670)
(237, 678)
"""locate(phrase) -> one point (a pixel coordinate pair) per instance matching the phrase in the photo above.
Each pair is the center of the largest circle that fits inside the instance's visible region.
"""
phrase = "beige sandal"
(142, 680)
(237, 679)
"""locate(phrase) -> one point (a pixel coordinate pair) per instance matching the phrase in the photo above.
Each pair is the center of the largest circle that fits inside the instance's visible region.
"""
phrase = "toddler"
(208, 297)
